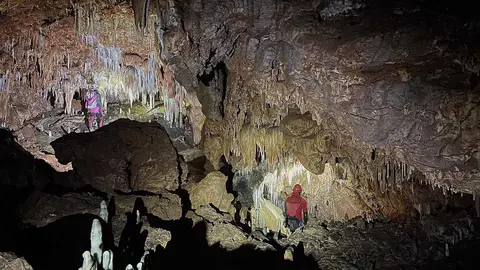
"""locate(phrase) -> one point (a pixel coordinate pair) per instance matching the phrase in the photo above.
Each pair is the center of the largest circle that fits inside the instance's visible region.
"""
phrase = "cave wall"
(387, 76)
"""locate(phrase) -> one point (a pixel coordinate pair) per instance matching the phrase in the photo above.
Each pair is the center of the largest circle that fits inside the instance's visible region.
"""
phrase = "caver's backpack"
(91, 100)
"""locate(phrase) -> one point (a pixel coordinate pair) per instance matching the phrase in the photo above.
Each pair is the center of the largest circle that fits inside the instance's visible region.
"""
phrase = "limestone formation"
(212, 189)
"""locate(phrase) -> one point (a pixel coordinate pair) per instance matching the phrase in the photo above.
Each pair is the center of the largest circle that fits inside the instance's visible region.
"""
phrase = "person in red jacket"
(296, 209)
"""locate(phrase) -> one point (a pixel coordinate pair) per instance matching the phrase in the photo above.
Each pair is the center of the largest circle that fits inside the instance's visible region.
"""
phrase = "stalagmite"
(447, 250)
(96, 241)
(129, 267)
(107, 260)
(104, 211)
(288, 255)
(88, 262)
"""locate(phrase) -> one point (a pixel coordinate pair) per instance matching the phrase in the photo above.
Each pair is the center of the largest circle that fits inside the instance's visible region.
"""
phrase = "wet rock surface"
(124, 155)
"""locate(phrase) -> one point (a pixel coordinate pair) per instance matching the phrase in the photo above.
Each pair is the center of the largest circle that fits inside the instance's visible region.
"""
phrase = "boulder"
(9, 261)
(212, 189)
(155, 237)
(166, 206)
(211, 215)
(124, 155)
(227, 235)
(194, 217)
(41, 208)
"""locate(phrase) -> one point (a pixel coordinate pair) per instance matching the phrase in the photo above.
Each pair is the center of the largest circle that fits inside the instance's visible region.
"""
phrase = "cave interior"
(371, 106)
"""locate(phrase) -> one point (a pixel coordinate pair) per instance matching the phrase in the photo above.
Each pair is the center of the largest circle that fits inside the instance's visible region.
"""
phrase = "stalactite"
(140, 11)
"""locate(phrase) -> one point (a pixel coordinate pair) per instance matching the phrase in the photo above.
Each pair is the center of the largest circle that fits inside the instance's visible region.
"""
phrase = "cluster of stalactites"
(393, 174)
(266, 196)
(273, 182)
(173, 105)
(69, 87)
(32, 68)
(109, 56)
(124, 83)
(252, 144)
(129, 82)
(87, 18)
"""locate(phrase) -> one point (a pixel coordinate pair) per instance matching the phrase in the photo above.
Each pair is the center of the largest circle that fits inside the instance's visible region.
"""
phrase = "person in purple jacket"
(94, 106)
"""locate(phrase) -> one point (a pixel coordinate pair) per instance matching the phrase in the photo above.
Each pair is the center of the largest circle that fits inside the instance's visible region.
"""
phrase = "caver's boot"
(90, 123)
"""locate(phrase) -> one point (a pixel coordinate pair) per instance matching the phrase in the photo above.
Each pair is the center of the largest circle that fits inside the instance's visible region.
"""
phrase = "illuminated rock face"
(212, 189)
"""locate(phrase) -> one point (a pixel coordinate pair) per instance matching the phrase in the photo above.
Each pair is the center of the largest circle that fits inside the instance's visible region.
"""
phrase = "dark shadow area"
(132, 240)
(196, 169)
(212, 90)
(192, 241)
(462, 255)
(10, 199)
(185, 200)
(20, 175)
(17, 166)
(226, 169)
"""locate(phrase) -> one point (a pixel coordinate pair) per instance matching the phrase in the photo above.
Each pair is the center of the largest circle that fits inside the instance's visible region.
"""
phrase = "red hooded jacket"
(295, 204)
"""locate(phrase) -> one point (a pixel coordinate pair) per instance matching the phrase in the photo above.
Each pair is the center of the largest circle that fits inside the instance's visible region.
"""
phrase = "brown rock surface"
(10, 261)
(155, 237)
(227, 235)
(166, 206)
(41, 209)
(211, 189)
(124, 155)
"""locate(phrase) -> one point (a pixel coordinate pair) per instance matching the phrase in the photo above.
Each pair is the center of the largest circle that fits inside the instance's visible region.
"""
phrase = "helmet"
(297, 189)
(92, 87)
